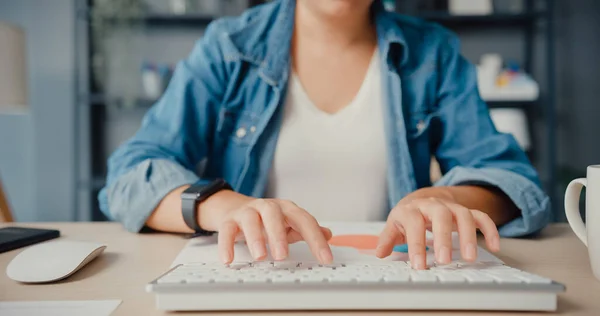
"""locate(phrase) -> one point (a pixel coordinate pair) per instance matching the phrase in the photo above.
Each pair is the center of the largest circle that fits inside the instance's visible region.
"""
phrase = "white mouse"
(52, 261)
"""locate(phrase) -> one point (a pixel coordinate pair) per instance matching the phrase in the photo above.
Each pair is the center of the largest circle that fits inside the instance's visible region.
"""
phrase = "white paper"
(59, 308)
(204, 249)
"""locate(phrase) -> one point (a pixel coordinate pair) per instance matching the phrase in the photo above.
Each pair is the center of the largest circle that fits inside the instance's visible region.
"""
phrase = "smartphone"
(16, 237)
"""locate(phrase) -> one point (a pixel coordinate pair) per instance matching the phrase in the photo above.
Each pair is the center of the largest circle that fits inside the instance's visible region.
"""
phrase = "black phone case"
(17, 237)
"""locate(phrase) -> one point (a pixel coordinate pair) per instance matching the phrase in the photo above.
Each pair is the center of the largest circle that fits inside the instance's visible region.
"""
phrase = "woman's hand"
(409, 220)
(272, 221)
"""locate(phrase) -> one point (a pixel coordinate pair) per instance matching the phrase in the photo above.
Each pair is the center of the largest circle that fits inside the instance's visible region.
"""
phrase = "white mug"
(589, 233)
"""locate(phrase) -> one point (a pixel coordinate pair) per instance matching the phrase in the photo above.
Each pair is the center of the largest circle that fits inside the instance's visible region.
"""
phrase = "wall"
(36, 159)
(578, 82)
(16, 164)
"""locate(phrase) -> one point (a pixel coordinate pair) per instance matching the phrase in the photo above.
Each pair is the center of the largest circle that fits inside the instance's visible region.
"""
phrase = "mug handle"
(572, 208)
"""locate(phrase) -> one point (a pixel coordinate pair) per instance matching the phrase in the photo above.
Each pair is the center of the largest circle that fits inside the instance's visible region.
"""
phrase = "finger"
(442, 226)
(388, 238)
(413, 223)
(294, 236)
(467, 232)
(488, 228)
(274, 224)
(226, 240)
(304, 223)
(252, 226)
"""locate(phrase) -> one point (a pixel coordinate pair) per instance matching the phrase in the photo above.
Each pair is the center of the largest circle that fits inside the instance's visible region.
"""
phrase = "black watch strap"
(194, 195)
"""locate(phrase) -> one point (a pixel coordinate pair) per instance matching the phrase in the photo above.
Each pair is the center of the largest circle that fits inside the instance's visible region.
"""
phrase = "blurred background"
(91, 69)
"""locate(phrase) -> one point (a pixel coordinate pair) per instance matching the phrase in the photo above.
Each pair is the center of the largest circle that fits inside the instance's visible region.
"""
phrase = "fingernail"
(418, 262)
(471, 252)
(444, 256)
(280, 251)
(326, 256)
(257, 250)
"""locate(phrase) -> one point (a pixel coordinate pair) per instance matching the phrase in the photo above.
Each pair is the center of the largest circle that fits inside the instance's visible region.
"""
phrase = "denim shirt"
(221, 114)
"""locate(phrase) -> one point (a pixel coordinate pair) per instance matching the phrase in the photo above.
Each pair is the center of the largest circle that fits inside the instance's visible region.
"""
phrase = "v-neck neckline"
(351, 106)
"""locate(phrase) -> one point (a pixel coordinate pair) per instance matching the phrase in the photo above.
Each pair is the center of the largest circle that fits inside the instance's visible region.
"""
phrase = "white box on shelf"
(520, 88)
(526, 93)
(470, 7)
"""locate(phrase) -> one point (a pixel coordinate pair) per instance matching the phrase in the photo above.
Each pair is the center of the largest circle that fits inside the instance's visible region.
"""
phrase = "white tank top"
(333, 165)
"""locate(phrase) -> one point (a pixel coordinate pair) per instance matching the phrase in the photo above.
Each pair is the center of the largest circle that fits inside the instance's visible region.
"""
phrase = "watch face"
(190, 196)
(192, 192)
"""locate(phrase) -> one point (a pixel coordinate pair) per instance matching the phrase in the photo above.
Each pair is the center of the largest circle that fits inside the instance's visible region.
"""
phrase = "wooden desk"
(130, 261)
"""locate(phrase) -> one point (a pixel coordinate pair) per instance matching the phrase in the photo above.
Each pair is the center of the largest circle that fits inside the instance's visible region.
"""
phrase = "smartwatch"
(195, 194)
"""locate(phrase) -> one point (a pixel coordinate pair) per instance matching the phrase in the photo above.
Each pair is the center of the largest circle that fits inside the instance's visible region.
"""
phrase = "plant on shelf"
(113, 25)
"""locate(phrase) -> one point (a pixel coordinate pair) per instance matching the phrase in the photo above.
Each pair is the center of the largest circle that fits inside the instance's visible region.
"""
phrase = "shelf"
(161, 19)
(495, 19)
(141, 103)
(510, 104)
(184, 19)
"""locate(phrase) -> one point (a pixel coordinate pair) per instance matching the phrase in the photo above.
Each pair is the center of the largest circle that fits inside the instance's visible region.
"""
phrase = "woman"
(318, 110)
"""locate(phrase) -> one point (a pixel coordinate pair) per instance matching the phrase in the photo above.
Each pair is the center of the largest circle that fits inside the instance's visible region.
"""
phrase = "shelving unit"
(496, 19)
(92, 104)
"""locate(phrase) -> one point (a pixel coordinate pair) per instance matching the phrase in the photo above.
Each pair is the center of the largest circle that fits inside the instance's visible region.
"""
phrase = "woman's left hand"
(409, 220)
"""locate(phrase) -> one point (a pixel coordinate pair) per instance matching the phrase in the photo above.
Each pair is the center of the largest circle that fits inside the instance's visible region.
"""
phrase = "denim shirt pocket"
(237, 126)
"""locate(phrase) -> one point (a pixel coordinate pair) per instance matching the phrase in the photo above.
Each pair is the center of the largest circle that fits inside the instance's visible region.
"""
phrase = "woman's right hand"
(276, 223)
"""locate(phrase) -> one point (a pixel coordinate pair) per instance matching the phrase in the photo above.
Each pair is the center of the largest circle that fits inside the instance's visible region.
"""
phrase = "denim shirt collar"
(271, 49)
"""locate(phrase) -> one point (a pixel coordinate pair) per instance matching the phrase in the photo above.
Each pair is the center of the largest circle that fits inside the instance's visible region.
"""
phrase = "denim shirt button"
(420, 125)
(252, 129)
(241, 132)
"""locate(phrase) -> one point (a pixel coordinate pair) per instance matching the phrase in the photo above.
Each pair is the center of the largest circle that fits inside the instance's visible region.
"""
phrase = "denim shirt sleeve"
(171, 141)
(471, 150)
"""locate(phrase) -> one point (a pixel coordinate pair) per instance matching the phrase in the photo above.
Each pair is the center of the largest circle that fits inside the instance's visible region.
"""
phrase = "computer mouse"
(52, 261)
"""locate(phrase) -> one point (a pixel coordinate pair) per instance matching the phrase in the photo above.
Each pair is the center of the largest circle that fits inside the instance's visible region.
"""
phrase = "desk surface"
(130, 261)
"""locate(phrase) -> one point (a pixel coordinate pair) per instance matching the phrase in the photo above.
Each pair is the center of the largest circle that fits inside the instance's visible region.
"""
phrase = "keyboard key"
(286, 265)
(400, 265)
(263, 264)
(284, 279)
(340, 279)
(257, 279)
(369, 278)
(533, 279)
(331, 266)
(477, 277)
(448, 277)
(312, 279)
(506, 278)
(422, 277)
(397, 278)
(308, 264)
(238, 265)
(226, 279)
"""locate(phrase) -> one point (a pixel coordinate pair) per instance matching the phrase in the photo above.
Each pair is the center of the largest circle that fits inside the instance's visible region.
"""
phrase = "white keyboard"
(389, 285)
